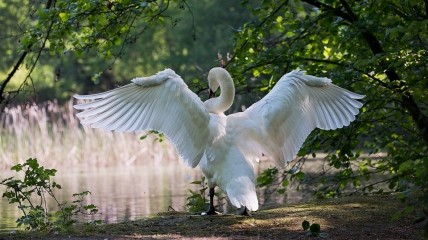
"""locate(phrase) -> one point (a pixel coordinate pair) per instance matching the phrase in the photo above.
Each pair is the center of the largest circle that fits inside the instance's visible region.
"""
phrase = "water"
(124, 193)
(133, 192)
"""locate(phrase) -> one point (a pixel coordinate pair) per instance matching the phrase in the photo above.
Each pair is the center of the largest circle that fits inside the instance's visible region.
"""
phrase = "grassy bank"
(358, 217)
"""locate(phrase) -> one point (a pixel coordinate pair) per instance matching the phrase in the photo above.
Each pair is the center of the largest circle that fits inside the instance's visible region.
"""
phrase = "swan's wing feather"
(161, 102)
(279, 123)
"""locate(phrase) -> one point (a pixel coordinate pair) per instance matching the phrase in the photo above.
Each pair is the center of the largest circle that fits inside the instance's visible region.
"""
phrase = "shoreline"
(352, 217)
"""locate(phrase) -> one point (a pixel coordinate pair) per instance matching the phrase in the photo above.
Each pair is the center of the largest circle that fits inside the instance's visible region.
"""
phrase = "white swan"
(224, 146)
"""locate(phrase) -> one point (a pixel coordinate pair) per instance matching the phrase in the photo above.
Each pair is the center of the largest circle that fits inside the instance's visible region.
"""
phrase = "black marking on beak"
(211, 94)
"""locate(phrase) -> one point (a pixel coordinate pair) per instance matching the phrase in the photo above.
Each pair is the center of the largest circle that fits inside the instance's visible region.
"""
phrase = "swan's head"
(219, 77)
(213, 76)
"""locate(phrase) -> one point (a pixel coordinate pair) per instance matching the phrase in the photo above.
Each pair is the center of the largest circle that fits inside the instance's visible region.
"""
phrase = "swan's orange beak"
(211, 93)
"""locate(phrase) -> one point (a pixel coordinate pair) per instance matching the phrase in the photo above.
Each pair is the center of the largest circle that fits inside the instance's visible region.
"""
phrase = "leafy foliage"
(267, 177)
(314, 229)
(377, 48)
(37, 181)
(160, 137)
(84, 46)
(79, 28)
(197, 202)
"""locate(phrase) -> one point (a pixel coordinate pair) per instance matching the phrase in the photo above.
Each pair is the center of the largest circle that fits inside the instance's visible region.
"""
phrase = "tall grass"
(128, 177)
(53, 134)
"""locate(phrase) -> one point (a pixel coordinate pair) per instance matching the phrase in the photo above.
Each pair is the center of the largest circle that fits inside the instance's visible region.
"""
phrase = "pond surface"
(125, 193)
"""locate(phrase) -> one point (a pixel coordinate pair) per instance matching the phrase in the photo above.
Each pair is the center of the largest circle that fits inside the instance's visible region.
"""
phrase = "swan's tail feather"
(242, 192)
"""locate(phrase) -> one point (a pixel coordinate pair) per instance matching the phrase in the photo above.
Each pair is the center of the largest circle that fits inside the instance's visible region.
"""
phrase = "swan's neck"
(223, 102)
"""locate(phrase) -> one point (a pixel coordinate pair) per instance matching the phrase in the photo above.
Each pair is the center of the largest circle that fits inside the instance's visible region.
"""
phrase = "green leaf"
(17, 167)
(32, 163)
(267, 177)
(144, 137)
(315, 228)
(285, 182)
(305, 225)
(300, 176)
(281, 190)
(63, 16)
(56, 185)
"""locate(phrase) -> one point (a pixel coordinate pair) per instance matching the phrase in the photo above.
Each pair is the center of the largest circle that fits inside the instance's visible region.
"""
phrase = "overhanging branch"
(21, 59)
(407, 98)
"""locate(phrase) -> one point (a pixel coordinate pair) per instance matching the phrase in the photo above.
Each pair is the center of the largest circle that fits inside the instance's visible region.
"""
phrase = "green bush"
(37, 182)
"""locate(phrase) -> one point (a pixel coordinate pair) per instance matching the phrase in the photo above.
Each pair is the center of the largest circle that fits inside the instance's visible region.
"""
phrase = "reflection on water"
(124, 193)
(132, 192)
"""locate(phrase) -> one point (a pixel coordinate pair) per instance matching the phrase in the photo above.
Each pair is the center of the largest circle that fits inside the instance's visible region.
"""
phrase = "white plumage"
(224, 146)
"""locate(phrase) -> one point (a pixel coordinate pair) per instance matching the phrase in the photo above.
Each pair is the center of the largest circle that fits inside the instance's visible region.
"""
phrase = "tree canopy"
(54, 48)
(376, 48)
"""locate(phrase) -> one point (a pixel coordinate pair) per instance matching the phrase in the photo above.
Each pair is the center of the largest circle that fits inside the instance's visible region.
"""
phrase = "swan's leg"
(244, 211)
(211, 209)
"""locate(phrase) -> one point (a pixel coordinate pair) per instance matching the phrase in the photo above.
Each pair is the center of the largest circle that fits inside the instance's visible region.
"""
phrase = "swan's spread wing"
(161, 102)
(279, 123)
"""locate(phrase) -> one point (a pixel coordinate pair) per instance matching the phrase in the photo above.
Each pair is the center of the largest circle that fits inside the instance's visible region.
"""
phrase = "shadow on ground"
(359, 217)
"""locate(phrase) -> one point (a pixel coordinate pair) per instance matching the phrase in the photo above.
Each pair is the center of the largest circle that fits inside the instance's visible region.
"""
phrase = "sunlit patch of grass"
(53, 134)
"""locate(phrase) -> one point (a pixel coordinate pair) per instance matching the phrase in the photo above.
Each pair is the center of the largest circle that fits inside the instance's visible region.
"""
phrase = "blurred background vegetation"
(88, 46)
(54, 48)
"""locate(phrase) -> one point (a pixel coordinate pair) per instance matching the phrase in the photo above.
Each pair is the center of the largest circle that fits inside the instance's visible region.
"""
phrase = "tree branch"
(244, 44)
(407, 99)
(326, 8)
(12, 73)
(349, 10)
(20, 61)
(377, 80)
(426, 8)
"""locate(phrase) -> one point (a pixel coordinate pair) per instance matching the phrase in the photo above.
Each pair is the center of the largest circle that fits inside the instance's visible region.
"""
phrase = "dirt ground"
(359, 217)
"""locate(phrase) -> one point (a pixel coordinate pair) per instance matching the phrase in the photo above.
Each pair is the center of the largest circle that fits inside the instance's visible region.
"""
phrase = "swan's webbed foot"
(211, 211)
(244, 211)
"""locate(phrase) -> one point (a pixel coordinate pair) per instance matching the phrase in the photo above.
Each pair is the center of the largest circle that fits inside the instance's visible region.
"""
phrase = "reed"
(129, 178)
(52, 134)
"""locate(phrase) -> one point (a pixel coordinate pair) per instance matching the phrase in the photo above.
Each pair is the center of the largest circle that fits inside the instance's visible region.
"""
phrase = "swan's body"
(225, 146)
